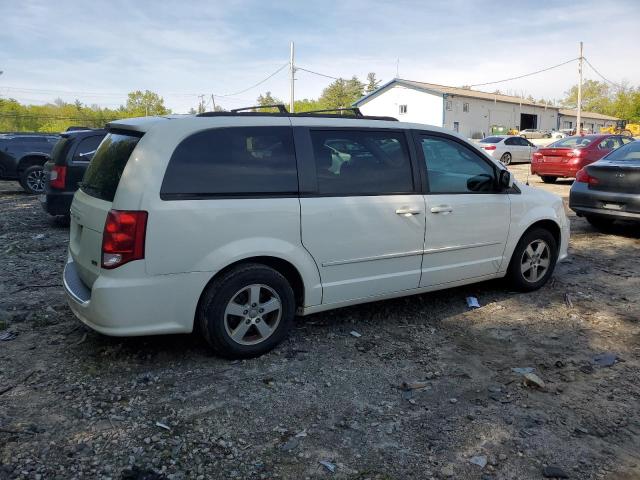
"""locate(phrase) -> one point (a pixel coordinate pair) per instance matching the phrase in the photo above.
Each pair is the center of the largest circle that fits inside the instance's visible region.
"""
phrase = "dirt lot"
(75, 404)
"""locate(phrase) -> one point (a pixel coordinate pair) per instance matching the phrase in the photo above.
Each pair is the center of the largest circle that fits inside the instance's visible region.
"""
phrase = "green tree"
(140, 104)
(372, 83)
(596, 97)
(268, 99)
(342, 93)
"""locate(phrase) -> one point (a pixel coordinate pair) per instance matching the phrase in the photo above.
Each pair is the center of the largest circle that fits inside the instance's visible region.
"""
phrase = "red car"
(565, 157)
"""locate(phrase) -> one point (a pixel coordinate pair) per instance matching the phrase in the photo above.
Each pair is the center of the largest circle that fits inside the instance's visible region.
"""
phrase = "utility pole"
(578, 120)
(292, 70)
(213, 101)
(201, 107)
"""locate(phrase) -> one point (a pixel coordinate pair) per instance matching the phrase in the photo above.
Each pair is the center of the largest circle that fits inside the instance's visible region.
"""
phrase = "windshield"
(491, 140)
(629, 152)
(572, 142)
(103, 175)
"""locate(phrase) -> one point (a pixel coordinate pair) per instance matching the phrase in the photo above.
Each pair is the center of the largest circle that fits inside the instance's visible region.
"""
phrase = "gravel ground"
(426, 391)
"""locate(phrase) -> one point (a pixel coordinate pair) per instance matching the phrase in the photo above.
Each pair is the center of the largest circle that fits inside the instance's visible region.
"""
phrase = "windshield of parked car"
(491, 140)
(572, 142)
(630, 152)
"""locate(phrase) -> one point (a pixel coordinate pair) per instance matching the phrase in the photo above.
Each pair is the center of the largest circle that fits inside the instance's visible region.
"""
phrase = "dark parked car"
(69, 160)
(609, 189)
(22, 156)
(565, 157)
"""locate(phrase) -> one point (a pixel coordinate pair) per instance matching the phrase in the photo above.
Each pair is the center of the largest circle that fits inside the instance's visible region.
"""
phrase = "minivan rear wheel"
(533, 260)
(247, 311)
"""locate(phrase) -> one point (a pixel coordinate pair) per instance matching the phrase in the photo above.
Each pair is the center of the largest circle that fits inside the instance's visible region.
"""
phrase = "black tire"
(32, 179)
(218, 295)
(515, 276)
(600, 223)
(548, 178)
(506, 158)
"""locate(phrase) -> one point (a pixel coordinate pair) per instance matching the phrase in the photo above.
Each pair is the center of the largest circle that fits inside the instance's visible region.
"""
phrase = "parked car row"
(564, 158)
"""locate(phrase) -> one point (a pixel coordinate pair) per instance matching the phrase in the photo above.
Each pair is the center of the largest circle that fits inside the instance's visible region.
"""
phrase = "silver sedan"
(508, 148)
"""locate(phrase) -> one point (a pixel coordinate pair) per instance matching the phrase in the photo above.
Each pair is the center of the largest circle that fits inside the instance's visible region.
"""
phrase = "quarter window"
(454, 168)
(361, 162)
(232, 161)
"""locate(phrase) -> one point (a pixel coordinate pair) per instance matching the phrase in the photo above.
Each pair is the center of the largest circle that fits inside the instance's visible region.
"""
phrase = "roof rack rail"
(356, 111)
(281, 108)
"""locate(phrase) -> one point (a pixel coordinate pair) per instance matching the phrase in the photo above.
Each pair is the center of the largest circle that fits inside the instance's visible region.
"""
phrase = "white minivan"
(231, 224)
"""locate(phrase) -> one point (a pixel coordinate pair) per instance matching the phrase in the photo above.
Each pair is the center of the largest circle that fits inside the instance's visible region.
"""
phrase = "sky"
(98, 51)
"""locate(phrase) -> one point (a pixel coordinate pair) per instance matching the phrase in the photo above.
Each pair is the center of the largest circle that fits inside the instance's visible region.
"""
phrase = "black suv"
(69, 160)
(22, 156)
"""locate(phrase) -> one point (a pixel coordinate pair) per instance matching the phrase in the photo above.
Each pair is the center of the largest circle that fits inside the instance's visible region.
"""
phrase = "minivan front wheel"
(533, 260)
(247, 311)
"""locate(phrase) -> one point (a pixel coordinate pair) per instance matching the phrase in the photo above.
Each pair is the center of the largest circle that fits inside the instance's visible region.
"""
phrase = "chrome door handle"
(442, 209)
(407, 212)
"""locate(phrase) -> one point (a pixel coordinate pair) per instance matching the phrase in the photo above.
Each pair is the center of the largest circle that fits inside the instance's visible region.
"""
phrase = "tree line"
(619, 101)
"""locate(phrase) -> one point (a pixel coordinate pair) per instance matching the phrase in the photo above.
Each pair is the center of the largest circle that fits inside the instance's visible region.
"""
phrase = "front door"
(364, 223)
(467, 217)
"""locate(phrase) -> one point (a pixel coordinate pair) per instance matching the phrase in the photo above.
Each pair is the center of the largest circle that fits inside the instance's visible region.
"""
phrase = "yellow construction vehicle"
(623, 128)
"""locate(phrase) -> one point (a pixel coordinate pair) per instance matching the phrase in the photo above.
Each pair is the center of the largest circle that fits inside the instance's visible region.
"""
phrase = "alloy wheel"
(535, 261)
(35, 181)
(252, 314)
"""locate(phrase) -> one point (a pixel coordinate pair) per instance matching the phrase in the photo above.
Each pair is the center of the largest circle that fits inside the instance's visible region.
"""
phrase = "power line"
(255, 85)
(317, 73)
(602, 76)
(526, 74)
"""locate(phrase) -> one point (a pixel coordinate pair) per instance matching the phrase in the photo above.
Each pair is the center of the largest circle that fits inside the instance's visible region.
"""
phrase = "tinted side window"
(233, 161)
(511, 141)
(361, 162)
(454, 168)
(86, 148)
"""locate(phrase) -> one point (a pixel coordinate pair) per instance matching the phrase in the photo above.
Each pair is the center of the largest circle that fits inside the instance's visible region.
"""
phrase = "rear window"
(630, 152)
(103, 175)
(232, 162)
(572, 142)
(491, 140)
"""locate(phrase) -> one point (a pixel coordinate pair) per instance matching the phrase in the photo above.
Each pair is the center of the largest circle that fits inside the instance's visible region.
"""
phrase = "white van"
(233, 223)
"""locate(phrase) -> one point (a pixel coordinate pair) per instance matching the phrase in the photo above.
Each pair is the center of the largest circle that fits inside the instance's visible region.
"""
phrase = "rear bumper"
(56, 203)
(144, 305)
(554, 169)
(585, 201)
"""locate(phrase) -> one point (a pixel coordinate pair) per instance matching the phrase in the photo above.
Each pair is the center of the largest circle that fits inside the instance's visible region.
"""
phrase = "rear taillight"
(58, 176)
(536, 157)
(583, 177)
(576, 152)
(489, 147)
(123, 237)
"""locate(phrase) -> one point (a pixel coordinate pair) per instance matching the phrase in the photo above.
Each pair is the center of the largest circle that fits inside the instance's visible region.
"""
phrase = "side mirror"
(505, 179)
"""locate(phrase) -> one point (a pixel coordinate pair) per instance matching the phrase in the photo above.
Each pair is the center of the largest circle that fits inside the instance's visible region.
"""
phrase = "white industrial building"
(470, 112)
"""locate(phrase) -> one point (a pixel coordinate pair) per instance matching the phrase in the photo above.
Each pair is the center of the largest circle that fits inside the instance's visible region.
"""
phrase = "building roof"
(467, 92)
(594, 115)
(459, 91)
